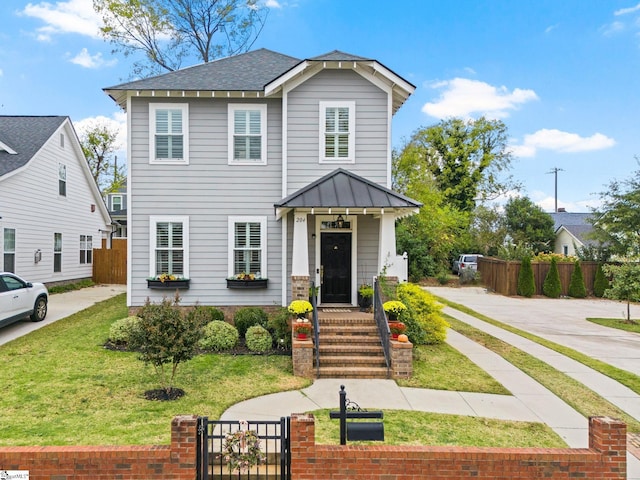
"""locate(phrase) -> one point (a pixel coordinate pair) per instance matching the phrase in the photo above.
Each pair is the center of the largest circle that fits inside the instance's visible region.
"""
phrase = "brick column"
(303, 446)
(609, 437)
(302, 357)
(300, 287)
(401, 359)
(184, 438)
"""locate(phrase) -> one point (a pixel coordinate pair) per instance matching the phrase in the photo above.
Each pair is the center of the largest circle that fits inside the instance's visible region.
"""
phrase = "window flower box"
(166, 281)
(247, 280)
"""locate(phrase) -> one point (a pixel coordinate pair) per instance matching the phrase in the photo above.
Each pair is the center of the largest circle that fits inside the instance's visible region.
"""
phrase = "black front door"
(335, 259)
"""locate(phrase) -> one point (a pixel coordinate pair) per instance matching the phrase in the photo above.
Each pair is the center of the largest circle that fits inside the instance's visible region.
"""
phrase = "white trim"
(271, 87)
(322, 107)
(130, 191)
(153, 221)
(153, 107)
(6, 148)
(354, 249)
(283, 248)
(231, 109)
(231, 221)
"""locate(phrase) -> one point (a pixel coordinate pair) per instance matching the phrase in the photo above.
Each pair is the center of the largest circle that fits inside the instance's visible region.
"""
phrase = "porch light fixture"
(340, 221)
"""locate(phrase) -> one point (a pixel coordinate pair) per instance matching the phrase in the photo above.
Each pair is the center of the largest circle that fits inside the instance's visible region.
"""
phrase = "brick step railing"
(350, 346)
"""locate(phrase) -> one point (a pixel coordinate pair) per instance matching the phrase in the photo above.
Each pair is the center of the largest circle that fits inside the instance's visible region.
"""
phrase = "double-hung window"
(57, 252)
(247, 134)
(168, 135)
(169, 246)
(116, 203)
(248, 246)
(10, 250)
(337, 132)
(86, 249)
(62, 179)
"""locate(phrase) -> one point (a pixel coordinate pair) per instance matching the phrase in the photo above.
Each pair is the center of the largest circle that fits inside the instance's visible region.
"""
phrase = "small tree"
(600, 283)
(625, 284)
(551, 286)
(577, 289)
(166, 337)
(526, 280)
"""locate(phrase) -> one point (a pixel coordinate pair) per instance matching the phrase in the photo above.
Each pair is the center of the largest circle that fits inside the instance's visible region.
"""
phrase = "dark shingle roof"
(342, 188)
(567, 219)
(338, 56)
(25, 135)
(245, 72)
(581, 233)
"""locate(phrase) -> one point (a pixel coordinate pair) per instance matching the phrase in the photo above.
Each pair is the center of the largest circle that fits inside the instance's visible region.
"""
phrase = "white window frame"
(86, 249)
(153, 108)
(231, 242)
(57, 252)
(153, 223)
(8, 250)
(351, 157)
(113, 197)
(231, 110)
(62, 180)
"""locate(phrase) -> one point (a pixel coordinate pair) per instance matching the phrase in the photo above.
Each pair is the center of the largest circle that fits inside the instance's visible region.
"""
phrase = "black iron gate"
(274, 445)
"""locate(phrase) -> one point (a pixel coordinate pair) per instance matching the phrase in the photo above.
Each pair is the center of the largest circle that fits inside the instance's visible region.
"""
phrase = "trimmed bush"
(121, 330)
(280, 328)
(218, 336)
(526, 280)
(577, 288)
(258, 339)
(248, 317)
(600, 282)
(551, 286)
(425, 324)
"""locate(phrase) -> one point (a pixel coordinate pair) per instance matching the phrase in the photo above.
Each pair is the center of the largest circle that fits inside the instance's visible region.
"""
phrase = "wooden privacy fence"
(501, 276)
(110, 264)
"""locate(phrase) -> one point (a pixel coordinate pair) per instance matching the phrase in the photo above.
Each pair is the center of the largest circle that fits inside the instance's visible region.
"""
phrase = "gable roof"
(344, 189)
(570, 219)
(261, 71)
(579, 232)
(24, 135)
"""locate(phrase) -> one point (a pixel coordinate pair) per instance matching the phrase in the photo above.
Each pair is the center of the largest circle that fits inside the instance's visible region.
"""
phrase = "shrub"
(526, 280)
(425, 324)
(248, 317)
(551, 286)
(218, 336)
(600, 283)
(209, 314)
(258, 339)
(280, 328)
(121, 330)
(577, 288)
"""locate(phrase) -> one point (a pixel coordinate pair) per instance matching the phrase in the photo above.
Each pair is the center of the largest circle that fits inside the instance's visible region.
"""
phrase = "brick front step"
(347, 339)
(345, 361)
(353, 372)
(341, 349)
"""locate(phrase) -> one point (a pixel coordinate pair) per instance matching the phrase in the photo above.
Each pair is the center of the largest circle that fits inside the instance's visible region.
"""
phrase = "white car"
(466, 261)
(20, 299)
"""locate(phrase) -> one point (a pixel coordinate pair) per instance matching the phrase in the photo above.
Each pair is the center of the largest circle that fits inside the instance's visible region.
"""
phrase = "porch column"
(386, 242)
(300, 258)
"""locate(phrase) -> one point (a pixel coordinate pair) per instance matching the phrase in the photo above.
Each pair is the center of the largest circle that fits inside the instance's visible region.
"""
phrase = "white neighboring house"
(571, 230)
(117, 205)
(52, 215)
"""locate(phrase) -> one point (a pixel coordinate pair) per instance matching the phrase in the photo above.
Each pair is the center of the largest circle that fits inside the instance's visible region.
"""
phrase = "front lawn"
(620, 324)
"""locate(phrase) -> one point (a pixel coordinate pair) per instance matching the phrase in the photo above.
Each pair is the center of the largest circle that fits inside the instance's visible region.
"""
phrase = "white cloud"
(117, 122)
(1, 72)
(273, 4)
(463, 97)
(562, 142)
(72, 16)
(612, 28)
(624, 11)
(88, 61)
(551, 28)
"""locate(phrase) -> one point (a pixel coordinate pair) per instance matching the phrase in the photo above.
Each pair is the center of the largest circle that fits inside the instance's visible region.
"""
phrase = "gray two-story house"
(253, 175)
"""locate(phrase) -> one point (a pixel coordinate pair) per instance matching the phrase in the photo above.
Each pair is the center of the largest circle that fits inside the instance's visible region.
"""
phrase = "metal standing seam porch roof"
(344, 189)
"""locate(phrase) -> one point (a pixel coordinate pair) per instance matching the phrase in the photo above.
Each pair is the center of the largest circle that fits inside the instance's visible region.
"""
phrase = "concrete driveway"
(562, 321)
(62, 305)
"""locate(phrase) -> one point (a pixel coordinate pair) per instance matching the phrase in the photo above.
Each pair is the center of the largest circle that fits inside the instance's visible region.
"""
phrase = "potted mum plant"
(302, 330)
(167, 281)
(300, 308)
(365, 297)
(396, 328)
(393, 309)
(247, 280)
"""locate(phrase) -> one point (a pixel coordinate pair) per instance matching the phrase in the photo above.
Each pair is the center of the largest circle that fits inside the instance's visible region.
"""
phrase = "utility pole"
(555, 171)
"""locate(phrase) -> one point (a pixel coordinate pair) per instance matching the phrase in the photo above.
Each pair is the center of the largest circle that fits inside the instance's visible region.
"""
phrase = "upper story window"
(247, 134)
(169, 246)
(116, 203)
(62, 179)
(62, 140)
(57, 252)
(337, 132)
(9, 250)
(169, 133)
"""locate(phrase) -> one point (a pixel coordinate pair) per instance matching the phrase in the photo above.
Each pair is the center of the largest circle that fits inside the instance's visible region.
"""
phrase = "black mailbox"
(357, 431)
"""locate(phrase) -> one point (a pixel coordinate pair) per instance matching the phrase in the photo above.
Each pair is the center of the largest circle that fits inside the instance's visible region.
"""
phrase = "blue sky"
(561, 74)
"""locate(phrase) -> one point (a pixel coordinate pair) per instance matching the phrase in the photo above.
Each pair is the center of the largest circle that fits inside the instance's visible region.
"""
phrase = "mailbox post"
(357, 430)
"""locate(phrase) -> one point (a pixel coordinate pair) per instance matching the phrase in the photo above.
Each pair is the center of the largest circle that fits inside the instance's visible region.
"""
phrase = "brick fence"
(604, 459)
(139, 462)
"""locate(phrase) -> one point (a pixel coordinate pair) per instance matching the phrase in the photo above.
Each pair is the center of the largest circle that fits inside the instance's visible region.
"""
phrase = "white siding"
(30, 204)
(208, 190)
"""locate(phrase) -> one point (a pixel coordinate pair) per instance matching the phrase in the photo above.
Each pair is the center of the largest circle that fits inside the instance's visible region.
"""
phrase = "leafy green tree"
(528, 224)
(577, 288)
(488, 229)
(625, 283)
(526, 279)
(466, 159)
(600, 282)
(551, 286)
(166, 32)
(98, 144)
(617, 221)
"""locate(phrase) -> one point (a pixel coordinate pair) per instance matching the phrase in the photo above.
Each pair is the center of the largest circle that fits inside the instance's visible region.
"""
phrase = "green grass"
(433, 366)
(70, 287)
(624, 377)
(633, 326)
(422, 428)
(61, 387)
